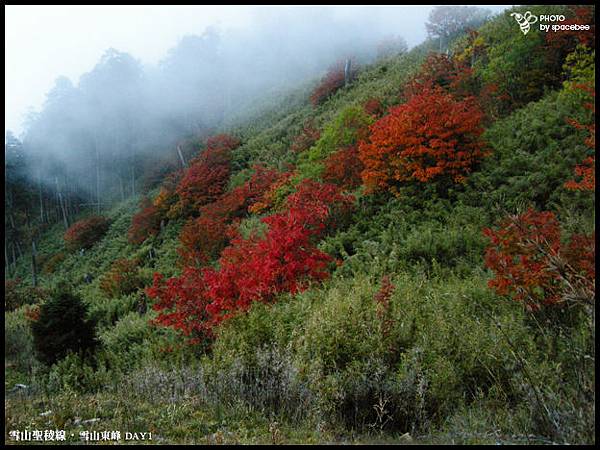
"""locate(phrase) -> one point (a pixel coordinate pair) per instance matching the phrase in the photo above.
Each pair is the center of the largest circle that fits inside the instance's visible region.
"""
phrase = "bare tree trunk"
(33, 263)
(47, 209)
(19, 251)
(132, 147)
(97, 173)
(6, 261)
(16, 235)
(62, 206)
(119, 157)
(132, 177)
(64, 212)
(68, 203)
(14, 255)
(41, 198)
(183, 163)
(347, 68)
(121, 186)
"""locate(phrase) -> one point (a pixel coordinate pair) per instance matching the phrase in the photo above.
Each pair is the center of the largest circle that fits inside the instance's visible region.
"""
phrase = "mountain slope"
(405, 334)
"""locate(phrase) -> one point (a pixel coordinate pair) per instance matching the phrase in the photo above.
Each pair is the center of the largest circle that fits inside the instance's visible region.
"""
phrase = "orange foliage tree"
(167, 195)
(343, 168)
(433, 135)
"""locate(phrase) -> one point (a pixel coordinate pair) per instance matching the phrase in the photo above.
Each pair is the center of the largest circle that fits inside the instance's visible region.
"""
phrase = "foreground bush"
(390, 354)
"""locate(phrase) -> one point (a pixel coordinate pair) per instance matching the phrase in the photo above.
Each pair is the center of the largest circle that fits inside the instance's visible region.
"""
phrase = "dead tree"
(347, 73)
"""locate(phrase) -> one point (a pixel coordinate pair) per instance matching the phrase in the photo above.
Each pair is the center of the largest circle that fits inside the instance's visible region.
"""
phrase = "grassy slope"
(458, 375)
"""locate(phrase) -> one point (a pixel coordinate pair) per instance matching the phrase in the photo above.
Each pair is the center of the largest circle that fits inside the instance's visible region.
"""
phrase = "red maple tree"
(251, 269)
(533, 266)
(204, 237)
(145, 223)
(206, 178)
(86, 232)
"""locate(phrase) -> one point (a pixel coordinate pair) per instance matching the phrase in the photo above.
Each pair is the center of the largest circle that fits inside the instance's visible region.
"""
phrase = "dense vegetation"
(404, 253)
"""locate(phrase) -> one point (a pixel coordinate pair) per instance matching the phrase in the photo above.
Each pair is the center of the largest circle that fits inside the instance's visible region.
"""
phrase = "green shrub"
(106, 311)
(445, 342)
(132, 329)
(400, 236)
(18, 340)
(62, 327)
(348, 128)
(534, 152)
(75, 373)
(579, 67)
(127, 343)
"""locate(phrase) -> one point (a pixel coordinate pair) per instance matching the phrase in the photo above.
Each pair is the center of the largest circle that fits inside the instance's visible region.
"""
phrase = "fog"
(108, 86)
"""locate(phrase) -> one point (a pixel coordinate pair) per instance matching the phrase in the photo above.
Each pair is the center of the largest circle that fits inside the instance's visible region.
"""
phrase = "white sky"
(43, 42)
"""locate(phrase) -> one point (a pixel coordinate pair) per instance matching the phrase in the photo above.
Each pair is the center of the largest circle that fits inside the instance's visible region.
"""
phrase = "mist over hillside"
(122, 110)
